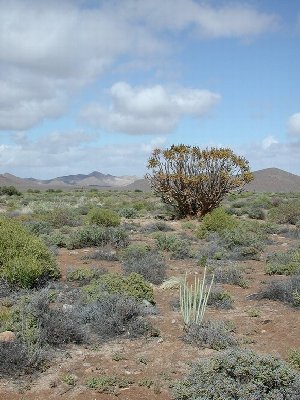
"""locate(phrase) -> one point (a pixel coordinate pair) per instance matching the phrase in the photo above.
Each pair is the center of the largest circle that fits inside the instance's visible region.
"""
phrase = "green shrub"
(242, 242)
(283, 263)
(24, 259)
(59, 217)
(97, 236)
(294, 357)
(211, 334)
(180, 249)
(38, 227)
(9, 191)
(103, 216)
(128, 212)
(84, 274)
(219, 298)
(216, 221)
(286, 213)
(134, 285)
(240, 375)
(107, 383)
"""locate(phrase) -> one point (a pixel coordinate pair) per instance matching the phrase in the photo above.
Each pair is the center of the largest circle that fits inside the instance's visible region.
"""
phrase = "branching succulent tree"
(195, 181)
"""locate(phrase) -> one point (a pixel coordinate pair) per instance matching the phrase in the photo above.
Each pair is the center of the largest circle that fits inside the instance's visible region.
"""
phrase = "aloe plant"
(193, 299)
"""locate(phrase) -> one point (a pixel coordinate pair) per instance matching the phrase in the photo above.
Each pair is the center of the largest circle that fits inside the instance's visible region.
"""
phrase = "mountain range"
(265, 180)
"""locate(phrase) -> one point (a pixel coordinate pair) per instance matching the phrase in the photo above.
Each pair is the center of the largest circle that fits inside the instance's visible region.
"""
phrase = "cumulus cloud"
(271, 152)
(225, 21)
(51, 49)
(48, 50)
(268, 142)
(143, 110)
(62, 153)
(293, 125)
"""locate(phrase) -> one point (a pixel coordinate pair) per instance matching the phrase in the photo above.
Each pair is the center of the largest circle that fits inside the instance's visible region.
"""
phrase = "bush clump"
(239, 375)
(97, 236)
(242, 242)
(215, 335)
(286, 213)
(18, 358)
(103, 216)
(216, 221)
(25, 261)
(283, 263)
(116, 315)
(133, 285)
(148, 263)
(287, 290)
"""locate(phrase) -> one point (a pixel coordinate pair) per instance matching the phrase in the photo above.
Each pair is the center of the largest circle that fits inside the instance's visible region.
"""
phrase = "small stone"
(263, 331)
(7, 336)
(173, 321)
(160, 340)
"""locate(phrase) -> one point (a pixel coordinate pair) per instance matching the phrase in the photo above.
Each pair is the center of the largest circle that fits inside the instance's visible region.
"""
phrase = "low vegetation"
(113, 278)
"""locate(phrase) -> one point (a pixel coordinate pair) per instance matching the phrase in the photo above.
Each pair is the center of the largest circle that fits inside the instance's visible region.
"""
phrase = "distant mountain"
(95, 179)
(274, 180)
(265, 180)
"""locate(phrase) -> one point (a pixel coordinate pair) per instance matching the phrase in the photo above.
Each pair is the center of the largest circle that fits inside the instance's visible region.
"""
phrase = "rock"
(160, 340)
(7, 336)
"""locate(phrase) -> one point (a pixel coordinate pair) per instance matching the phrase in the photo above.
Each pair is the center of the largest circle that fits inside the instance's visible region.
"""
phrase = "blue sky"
(96, 85)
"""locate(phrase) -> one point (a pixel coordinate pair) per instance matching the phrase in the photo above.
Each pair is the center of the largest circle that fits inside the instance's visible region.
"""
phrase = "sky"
(91, 85)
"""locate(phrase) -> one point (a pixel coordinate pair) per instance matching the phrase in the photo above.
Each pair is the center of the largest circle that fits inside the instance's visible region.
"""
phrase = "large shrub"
(97, 236)
(103, 216)
(286, 213)
(195, 181)
(283, 263)
(133, 285)
(24, 259)
(216, 221)
(240, 375)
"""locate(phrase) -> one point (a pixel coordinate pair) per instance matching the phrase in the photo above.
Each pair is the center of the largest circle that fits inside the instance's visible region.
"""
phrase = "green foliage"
(193, 299)
(133, 285)
(195, 181)
(108, 383)
(24, 259)
(283, 263)
(84, 274)
(103, 216)
(243, 242)
(216, 221)
(220, 298)
(180, 249)
(294, 357)
(9, 191)
(97, 236)
(59, 217)
(240, 375)
(286, 213)
(128, 212)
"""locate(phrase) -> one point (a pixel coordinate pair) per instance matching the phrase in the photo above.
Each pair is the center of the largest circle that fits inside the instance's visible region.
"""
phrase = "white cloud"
(66, 153)
(50, 49)
(271, 152)
(293, 125)
(143, 110)
(268, 142)
(232, 20)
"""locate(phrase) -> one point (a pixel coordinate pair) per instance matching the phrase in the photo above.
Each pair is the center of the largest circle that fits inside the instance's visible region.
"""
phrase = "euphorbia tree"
(195, 181)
